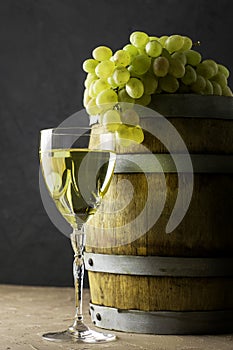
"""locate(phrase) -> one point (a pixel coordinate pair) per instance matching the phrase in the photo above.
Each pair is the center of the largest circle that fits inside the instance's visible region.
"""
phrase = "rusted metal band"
(159, 266)
(162, 322)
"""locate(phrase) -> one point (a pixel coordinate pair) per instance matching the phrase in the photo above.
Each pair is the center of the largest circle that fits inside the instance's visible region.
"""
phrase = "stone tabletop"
(27, 312)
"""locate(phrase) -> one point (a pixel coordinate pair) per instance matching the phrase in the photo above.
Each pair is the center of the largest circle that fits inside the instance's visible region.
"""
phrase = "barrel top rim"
(193, 105)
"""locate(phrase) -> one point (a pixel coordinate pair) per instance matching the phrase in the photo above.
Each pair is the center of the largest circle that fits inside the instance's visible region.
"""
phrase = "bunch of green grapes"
(147, 65)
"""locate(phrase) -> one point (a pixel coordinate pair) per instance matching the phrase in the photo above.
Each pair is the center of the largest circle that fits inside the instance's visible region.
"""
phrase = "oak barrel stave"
(206, 230)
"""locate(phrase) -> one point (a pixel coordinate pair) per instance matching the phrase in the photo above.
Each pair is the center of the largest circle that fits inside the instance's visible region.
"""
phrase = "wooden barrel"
(181, 282)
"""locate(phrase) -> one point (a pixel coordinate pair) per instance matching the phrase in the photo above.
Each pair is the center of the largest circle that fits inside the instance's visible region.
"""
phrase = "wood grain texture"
(161, 293)
(206, 230)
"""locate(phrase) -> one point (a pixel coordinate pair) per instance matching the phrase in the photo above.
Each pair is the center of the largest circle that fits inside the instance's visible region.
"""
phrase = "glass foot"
(86, 336)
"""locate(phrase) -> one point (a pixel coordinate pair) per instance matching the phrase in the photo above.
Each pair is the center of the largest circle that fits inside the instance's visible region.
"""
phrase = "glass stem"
(78, 244)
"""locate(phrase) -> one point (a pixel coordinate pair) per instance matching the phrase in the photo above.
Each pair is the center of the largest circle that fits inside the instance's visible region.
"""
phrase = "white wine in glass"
(77, 177)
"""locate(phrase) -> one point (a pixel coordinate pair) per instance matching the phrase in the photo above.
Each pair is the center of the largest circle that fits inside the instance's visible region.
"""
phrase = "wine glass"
(77, 165)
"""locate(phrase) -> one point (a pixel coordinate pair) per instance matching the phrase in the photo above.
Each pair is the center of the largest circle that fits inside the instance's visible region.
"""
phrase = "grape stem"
(117, 107)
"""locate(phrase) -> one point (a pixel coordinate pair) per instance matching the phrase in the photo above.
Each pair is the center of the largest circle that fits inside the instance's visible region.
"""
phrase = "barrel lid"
(193, 105)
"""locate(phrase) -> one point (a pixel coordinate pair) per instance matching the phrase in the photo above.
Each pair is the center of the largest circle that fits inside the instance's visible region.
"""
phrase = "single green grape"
(92, 108)
(100, 85)
(169, 83)
(106, 99)
(153, 48)
(163, 39)
(122, 136)
(193, 57)
(199, 85)
(222, 69)
(217, 90)
(89, 65)
(102, 53)
(121, 58)
(160, 66)
(176, 68)
(144, 100)
(221, 79)
(188, 43)
(174, 43)
(226, 91)
(111, 119)
(208, 88)
(89, 79)
(121, 75)
(86, 97)
(212, 64)
(132, 72)
(132, 50)
(130, 117)
(128, 135)
(104, 69)
(139, 39)
(190, 75)
(205, 70)
(134, 88)
(91, 89)
(150, 83)
(112, 82)
(179, 55)
(124, 97)
(140, 64)
(137, 134)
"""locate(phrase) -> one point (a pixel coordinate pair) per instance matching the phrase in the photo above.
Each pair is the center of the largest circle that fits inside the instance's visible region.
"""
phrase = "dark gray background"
(42, 46)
